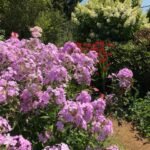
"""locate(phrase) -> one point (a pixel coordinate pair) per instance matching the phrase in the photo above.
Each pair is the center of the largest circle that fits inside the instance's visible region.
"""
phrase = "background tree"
(53, 16)
(65, 6)
(105, 19)
(19, 15)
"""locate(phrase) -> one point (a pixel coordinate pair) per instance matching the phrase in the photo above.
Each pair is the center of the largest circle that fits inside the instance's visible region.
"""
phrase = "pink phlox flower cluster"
(86, 114)
(8, 89)
(32, 62)
(12, 142)
(124, 77)
(36, 31)
(4, 125)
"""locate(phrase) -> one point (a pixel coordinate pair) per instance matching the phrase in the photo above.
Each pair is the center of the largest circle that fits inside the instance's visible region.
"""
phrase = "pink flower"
(36, 31)
(14, 35)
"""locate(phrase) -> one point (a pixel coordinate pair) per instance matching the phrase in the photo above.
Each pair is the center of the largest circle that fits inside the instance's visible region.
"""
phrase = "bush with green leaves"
(45, 98)
(140, 115)
(56, 28)
(119, 98)
(18, 16)
(108, 19)
(2, 34)
(137, 58)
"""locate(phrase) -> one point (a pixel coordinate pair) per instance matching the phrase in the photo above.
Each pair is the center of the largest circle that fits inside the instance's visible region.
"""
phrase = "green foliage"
(105, 19)
(65, 6)
(137, 58)
(141, 115)
(73, 89)
(56, 28)
(2, 33)
(19, 16)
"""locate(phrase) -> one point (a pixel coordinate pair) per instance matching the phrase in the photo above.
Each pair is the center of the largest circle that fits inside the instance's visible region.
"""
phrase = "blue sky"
(145, 3)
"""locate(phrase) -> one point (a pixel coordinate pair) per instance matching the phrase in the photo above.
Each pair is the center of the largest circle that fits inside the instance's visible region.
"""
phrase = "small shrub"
(137, 58)
(39, 103)
(140, 115)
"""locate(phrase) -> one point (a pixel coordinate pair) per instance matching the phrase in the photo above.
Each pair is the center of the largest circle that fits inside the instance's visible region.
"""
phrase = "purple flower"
(106, 130)
(21, 144)
(93, 55)
(125, 83)
(99, 106)
(60, 126)
(3, 95)
(44, 137)
(57, 74)
(7, 140)
(60, 96)
(83, 97)
(4, 125)
(15, 142)
(82, 75)
(88, 111)
(125, 73)
(8, 89)
(69, 47)
(44, 98)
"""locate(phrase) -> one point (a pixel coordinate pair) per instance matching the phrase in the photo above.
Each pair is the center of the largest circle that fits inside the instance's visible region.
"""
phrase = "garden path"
(128, 138)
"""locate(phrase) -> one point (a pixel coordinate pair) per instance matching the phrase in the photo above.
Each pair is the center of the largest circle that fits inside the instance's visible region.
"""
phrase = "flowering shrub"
(35, 80)
(105, 19)
(119, 98)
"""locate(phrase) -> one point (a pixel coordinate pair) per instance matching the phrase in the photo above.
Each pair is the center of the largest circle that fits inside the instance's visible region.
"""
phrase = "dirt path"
(128, 138)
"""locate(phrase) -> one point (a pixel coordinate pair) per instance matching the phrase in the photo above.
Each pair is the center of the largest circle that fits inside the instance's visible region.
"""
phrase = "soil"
(128, 138)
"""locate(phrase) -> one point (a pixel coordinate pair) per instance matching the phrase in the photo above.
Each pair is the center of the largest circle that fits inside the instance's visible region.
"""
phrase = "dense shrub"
(18, 16)
(119, 98)
(105, 19)
(56, 28)
(36, 83)
(137, 58)
(140, 115)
